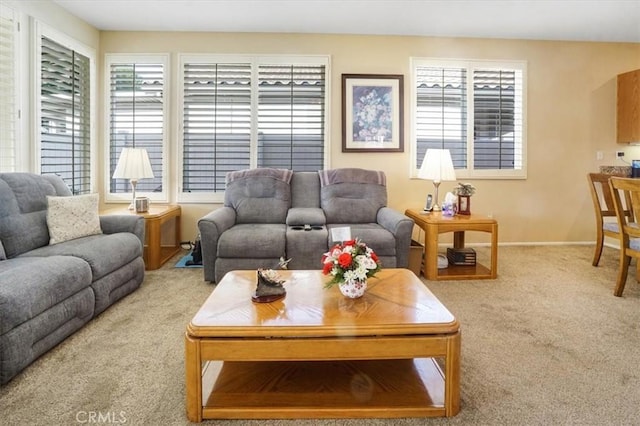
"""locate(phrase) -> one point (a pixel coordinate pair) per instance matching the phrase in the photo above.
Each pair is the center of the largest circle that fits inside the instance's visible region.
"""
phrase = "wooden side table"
(434, 223)
(156, 254)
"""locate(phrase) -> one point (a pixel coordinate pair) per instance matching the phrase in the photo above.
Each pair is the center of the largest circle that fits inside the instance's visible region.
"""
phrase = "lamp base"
(134, 184)
(436, 206)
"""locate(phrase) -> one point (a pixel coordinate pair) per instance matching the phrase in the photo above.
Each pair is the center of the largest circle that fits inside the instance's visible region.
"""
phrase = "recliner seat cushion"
(114, 286)
(21, 345)
(32, 285)
(253, 241)
(104, 253)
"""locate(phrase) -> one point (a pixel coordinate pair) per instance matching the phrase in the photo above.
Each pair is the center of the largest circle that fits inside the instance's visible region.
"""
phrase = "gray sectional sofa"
(49, 291)
(274, 213)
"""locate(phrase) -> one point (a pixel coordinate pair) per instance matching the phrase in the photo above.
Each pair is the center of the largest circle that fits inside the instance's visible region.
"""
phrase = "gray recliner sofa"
(270, 214)
(47, 292)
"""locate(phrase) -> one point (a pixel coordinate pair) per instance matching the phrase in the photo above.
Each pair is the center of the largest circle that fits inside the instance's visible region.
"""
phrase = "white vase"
(353, 288)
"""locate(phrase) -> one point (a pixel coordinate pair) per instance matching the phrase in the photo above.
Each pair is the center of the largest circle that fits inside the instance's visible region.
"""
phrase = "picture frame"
(372, 113)
(464, 204)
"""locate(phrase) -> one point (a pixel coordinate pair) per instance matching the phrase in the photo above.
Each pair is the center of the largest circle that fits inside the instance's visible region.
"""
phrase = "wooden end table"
(155, 253)
(318, 354)
(434, 223)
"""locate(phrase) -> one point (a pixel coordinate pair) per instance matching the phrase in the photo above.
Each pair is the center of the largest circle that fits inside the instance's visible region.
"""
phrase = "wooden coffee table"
(395, 352)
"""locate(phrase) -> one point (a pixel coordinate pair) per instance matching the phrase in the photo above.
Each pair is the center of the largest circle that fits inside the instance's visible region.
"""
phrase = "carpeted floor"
(545, 343)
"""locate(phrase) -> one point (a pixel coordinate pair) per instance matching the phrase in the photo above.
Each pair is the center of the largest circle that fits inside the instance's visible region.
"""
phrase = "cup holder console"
(307, 228)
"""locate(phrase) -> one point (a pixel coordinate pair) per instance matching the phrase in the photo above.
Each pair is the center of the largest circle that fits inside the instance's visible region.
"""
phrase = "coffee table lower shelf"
(323, 389)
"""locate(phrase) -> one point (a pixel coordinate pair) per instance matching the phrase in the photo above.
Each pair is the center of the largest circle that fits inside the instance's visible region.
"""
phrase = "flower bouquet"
(350, 264)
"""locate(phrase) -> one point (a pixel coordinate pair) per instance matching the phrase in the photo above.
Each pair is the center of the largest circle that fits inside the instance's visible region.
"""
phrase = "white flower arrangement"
(351, 261)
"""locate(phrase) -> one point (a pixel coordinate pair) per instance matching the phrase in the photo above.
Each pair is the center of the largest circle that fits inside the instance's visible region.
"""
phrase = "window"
(136, 114)
(291, 116)
(65, 111)
(8, 89)
(216, 123)
(245, 112)
(476, 110)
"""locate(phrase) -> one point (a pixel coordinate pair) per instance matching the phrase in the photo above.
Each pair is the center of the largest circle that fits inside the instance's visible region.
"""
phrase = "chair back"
(626, 198)
(602, 197)
(626, 189)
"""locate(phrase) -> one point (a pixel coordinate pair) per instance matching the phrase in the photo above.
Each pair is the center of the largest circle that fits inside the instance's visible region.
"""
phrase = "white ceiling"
(588, 20)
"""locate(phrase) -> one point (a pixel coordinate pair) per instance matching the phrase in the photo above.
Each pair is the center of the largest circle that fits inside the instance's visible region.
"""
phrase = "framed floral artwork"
(372, 113)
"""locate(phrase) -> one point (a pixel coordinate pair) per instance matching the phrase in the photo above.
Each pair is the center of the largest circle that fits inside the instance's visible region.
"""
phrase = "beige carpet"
(545, 343)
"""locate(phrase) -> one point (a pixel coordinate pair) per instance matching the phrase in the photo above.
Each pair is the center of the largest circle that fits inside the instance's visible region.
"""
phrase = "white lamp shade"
(437, 166)
(133, 164)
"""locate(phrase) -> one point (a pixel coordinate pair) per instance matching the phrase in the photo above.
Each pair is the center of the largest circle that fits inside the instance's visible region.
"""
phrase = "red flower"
(327, 268)
(374, 257)
(344, 260)
(350, 243)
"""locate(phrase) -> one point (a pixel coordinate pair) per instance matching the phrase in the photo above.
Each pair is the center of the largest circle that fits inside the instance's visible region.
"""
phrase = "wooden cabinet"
(628, 110)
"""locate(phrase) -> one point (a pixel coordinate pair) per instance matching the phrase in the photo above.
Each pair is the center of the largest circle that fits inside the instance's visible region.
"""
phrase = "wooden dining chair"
(625, 193)
(605, 210)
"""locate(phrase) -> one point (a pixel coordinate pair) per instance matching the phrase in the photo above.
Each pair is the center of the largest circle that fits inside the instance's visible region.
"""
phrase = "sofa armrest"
(211, 227)
(305, 216)
(111, 224)
(401, 227)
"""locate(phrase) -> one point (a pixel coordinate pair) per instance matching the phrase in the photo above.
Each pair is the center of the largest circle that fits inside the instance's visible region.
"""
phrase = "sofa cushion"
(305, 189)
(352, 202)
(32, 285)
(253, 241)
(23, 205)
(259, 195)
(21, 345)
(104, 253)
(73, 217)
(114, 286)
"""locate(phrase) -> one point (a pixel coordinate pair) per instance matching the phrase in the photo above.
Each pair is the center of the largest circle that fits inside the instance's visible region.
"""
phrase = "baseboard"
(532, 243)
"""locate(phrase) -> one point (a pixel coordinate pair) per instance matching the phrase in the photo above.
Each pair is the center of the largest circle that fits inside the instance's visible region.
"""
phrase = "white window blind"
(8, 107)
(441, 112)
(291, 117)
(497, 119)
(65, 145)
(238, 115)
(136, 119)
(474, 109)
(216, 124)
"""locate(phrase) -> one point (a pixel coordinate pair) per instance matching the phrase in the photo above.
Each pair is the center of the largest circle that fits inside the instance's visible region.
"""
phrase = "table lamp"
(437, 166)
(133, 164)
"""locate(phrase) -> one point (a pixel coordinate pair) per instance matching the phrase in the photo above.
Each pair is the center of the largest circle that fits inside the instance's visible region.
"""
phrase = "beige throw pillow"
(72, 217)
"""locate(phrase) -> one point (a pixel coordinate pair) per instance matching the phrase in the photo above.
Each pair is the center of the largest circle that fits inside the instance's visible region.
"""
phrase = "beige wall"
(571, 115)
(58, 18)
